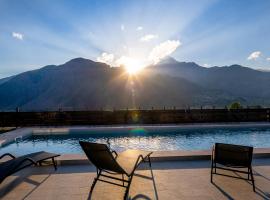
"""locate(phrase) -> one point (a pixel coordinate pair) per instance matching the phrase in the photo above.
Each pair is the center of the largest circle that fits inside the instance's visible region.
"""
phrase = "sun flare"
(132, 66)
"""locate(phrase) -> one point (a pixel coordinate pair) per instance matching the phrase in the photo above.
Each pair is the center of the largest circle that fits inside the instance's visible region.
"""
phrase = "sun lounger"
(232, 158)
(15, 164)
(110, 163)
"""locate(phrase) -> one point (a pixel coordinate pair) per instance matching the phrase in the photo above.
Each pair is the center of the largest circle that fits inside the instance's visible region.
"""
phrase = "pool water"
(143, 138)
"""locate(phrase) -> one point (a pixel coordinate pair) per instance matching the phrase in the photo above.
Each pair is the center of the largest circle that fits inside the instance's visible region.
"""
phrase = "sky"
(209, 32)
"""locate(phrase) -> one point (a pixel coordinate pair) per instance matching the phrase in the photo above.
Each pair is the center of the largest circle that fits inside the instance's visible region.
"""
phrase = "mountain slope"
(3, 80)
(251, 85)
(85, 84)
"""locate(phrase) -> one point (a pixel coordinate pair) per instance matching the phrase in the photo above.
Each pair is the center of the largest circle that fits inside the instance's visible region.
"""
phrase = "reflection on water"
(142, 138)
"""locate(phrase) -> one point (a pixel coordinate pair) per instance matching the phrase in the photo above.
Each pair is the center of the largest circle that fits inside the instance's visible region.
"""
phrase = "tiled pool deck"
(172, 180)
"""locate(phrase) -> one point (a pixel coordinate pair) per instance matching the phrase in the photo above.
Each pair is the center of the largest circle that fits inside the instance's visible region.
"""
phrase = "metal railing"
(132, 116)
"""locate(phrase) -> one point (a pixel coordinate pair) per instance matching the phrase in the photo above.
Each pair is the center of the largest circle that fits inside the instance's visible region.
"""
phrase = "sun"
(132, 66)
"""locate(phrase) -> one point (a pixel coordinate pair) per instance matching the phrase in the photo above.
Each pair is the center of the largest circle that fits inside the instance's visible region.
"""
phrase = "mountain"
(249, 84)
(5, 79)
(85, 84)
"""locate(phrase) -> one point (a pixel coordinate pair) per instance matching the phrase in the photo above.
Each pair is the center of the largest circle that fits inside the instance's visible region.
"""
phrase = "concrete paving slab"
(167, 180)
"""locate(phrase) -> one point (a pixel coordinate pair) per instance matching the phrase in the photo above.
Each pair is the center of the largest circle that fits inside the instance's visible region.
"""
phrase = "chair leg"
(248, 173)
(211, 172)
(128, 186)
(149, 160)
(54, 164)
(94, 183)
(252, 179)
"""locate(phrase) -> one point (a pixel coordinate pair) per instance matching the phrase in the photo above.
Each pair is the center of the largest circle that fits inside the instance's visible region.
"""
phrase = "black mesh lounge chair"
(110, 162)
(15, 164)
(230, 157)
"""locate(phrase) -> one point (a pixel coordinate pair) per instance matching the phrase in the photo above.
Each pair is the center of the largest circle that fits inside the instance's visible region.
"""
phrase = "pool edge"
(162, 156)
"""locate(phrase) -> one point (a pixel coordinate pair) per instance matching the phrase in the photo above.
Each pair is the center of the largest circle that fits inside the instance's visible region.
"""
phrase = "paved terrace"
(167, 180)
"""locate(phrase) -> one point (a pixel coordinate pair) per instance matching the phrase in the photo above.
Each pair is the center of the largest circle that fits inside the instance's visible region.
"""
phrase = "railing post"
(17, 116)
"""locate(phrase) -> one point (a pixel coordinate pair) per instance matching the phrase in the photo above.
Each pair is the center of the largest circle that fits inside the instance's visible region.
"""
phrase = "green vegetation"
(235, 105)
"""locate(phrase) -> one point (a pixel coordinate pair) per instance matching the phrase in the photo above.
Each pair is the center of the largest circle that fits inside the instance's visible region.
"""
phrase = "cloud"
(107, 58)
(122, 27)
(162, 50)
(18, 36)
(206, 65)
(122, 61)
(148, 37)
(156, 54)
(111, 60)
(268, 59)
(254, 55)
(139, 28)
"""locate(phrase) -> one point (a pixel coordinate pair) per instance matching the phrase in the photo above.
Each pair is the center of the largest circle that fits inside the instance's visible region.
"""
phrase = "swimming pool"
(155, 139)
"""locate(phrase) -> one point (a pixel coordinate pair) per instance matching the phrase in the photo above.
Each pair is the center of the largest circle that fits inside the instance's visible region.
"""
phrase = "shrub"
(235, 105)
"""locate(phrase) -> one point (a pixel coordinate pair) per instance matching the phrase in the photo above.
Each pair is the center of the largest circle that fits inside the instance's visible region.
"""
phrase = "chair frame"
(249, 171)
(125, 182)
(20, 163)
(32, 162)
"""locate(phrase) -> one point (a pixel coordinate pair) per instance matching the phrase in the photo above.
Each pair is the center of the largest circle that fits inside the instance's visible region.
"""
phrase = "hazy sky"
(209, 32)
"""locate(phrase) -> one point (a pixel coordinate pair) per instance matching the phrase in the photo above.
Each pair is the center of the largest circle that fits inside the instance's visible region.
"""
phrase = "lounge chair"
(15, 164)
(230, 157)
(124, 163)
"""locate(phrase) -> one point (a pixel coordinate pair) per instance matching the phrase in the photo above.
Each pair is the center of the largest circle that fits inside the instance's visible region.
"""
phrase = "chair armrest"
(26, 159)
(140, 157)
(138, 160)
(7, 154)
(31, 160)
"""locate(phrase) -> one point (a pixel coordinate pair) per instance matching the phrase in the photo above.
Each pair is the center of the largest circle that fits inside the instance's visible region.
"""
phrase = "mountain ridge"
(86, 84)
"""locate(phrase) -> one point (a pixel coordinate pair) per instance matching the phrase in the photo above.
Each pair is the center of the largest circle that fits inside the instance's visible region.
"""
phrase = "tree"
(235, 105)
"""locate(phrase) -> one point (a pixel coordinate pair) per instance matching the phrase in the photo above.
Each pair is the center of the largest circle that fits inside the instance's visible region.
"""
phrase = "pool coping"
(11, 136)
(162, 156)
(67, 129)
